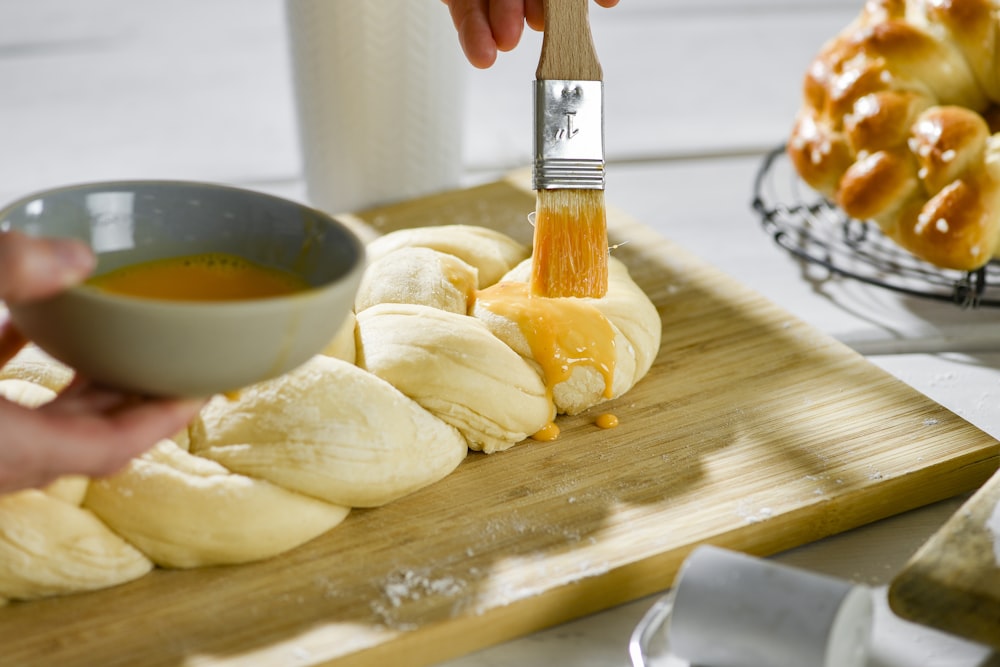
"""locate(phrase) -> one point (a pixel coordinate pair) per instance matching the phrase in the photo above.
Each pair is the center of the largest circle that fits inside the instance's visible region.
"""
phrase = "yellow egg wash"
(205, 277)
(547, 433)
(607, 420)
(562, 332)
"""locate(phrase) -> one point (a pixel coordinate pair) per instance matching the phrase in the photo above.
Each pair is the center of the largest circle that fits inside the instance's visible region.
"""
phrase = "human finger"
(35, 268)
(39, 445)
(100, 443)
(23, 460)
(83, 397)
(535, 14)
(506, 22)
(141, 424)
(475, 35)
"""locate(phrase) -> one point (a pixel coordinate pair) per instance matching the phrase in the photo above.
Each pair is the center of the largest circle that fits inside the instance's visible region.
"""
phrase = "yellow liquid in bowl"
(204, 277)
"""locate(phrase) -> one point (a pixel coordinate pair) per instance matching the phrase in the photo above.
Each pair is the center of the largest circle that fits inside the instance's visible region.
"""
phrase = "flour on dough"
(330, 430)
(34, 365)
(50, 547)
(454, 367)
(419, 276)
(185, 511)
(491, 252)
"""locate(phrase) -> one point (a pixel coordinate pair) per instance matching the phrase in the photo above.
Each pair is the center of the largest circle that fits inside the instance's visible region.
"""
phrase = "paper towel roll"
(733, 610)
(378, 91)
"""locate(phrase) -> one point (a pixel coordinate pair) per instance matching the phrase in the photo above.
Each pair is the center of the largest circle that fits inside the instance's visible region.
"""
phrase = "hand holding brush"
(487, 26)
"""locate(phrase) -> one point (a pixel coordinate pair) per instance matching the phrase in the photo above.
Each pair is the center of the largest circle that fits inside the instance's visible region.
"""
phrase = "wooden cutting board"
(752, 431)
(953, 582)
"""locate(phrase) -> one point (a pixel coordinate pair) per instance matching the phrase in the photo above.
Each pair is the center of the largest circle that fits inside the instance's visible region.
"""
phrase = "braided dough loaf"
(454, 367)
(634, 322)
(31, 364)
(897, 126)
(184, 511)
(331, 431)
(414, 379)
(419, 276)
(492, 253)
(49, 545)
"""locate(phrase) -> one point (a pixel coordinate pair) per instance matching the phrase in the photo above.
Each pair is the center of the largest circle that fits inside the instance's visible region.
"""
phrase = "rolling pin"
(952, 583)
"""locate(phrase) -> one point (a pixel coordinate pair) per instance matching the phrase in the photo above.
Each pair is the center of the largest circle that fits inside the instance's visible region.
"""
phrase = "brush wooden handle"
(567, 45)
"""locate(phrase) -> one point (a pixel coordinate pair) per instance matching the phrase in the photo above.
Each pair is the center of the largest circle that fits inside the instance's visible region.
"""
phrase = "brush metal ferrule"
(569, 135)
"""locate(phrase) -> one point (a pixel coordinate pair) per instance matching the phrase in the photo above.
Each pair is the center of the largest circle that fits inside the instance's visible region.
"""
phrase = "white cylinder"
(733, 610)
(379, 93)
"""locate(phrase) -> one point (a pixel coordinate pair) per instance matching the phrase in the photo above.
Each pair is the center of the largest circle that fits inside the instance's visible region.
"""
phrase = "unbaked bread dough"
(70, 489)
(633, 319)
(342, 345)
(50, 547)
(25, 392)
(421, 276)
(585, 387)
(453, 366)
(392, 404)
(330, 430)
(492, 253)
(631, 311)
(34, 365)
(187, 511)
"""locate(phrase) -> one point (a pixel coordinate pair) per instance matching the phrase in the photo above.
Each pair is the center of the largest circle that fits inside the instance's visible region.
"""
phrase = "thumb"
(34, 268)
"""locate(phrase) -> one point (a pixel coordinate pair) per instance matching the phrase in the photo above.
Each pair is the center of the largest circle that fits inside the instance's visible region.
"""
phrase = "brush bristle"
(570, 256)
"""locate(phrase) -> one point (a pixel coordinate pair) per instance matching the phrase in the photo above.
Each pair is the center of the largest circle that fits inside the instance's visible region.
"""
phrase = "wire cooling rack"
(813, 229)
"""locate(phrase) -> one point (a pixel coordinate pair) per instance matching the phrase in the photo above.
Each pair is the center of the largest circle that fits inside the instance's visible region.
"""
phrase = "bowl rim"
(89, 292)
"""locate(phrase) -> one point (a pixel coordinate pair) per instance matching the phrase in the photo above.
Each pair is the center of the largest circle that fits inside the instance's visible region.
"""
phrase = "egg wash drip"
(212, 276)
(563, 333)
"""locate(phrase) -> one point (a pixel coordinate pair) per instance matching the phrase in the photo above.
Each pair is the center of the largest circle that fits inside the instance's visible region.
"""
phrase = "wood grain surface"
(752, 431)
(567, 45)
(953, 582)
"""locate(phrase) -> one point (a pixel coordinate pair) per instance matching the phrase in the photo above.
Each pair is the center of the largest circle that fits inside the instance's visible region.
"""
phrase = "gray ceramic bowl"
(176, 348)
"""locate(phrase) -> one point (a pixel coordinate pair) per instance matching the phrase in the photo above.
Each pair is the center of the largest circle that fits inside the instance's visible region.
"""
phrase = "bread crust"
(897, 126)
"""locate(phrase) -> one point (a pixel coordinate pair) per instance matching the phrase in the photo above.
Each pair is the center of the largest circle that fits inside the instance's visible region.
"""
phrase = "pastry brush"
(570, 255)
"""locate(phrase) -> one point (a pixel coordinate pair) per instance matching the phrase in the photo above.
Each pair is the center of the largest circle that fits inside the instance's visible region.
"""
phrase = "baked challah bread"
(421, 373)
(897, 126)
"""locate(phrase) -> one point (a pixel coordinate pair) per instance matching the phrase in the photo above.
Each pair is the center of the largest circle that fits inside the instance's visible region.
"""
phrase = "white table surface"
(697, 92)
